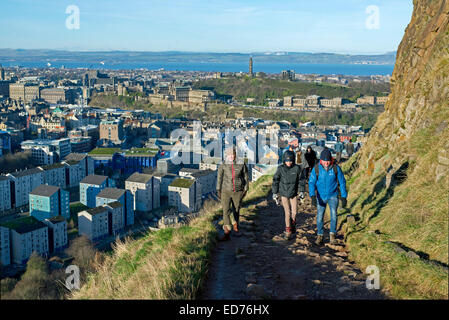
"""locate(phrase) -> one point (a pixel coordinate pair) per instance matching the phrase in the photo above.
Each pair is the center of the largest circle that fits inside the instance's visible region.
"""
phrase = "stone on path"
(256, 290)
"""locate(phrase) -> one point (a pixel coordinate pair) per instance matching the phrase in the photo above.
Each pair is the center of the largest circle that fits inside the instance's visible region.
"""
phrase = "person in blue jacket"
(323, 190)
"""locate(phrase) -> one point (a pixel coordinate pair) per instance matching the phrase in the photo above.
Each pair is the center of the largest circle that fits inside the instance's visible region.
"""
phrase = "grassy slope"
(167, 264)
(413, 131)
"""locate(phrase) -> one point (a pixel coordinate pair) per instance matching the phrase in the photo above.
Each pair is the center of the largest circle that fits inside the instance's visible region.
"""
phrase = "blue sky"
(208, 25)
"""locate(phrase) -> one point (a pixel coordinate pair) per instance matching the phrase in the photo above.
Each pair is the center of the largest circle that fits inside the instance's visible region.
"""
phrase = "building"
(55, 175)
(57, 95)
(93, 223)
(136, 159)
(81, 144)
(47, 151)
(288, 75)
(112, 131)
(78, 166)
(145, 190)
(27, 235)
(5, 193)
(381, 100)
(201, 96)
(116, 217)
(5, 247)
(367, 100)
(90, 186)
(184, 195)
(49, 201)
(24, 92)
(57, 234)
(207, 179)
(125, 197)
(22, 183)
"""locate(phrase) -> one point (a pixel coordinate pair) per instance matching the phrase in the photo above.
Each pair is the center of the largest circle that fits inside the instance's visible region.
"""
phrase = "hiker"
(300, 159)
(338, 149)
(350, 149)
(289, 182)
(232, 186)
(324, 180)
(310, 157)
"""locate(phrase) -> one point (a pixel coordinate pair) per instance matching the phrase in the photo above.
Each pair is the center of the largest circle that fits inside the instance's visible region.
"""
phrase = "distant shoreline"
(276, 67)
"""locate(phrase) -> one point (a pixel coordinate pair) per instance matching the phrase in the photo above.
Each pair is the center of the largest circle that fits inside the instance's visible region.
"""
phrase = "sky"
(339, 26)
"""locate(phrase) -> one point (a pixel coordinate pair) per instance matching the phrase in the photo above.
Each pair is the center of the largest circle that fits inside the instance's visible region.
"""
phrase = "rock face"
(420, 90)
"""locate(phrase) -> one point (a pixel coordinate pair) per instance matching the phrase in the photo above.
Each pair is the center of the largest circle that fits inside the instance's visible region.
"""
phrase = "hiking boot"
(287, 235)
(225, 236)
(332, 239)
(319, 240)
(237, 233)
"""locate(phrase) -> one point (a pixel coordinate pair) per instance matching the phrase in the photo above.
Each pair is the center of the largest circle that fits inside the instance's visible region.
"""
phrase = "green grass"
(104, 151)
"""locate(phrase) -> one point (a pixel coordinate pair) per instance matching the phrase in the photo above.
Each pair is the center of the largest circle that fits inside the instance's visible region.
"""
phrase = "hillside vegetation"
(262, 88)
(398, 182)
(167, 264)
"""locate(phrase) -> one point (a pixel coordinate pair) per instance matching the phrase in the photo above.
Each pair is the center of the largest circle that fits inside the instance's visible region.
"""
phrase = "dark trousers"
(228, 197)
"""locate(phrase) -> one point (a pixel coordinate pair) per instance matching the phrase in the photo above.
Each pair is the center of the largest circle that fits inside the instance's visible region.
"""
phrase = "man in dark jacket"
(289, 181)
(232, 185)
(325, 184)
(310, 158)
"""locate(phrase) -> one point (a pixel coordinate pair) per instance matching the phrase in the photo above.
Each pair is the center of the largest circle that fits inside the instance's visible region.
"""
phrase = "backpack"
(335, 167)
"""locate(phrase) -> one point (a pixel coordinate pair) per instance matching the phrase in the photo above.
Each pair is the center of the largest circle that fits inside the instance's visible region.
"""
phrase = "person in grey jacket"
(232, 186)
(289, 181)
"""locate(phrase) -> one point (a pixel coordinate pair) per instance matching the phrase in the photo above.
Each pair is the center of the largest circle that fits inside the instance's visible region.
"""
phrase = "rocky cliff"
(399, 187)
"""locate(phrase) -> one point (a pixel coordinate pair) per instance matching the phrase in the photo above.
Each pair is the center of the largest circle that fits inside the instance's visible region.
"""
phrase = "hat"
(288, 156)
(326, 155)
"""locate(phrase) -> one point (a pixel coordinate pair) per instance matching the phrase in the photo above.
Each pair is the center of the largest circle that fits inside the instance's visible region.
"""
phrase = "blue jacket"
(327, 185)
(339, 147)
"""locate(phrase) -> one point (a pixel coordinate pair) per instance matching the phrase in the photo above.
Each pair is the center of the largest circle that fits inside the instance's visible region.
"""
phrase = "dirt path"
(262, 265)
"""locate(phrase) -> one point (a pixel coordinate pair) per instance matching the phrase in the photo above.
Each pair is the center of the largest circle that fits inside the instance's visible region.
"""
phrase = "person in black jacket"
(311, 159)
(289, 181)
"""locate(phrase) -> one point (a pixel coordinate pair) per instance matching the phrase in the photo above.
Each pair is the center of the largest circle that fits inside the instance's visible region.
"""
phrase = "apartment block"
(5, 193)
(57, 234)
(5, 247)
(93, 223)
(90, 186)
(49, 201)
(55, 175)
(22, 183)
(145, 190)
(125, 197)
(116, 217)
(207, 179)
(27, 235)
(184, 194)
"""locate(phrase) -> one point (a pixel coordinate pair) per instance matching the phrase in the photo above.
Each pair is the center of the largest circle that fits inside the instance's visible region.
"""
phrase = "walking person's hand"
(344, 202)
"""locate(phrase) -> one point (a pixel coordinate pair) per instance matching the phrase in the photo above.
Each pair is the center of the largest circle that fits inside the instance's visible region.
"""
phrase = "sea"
(324, 69)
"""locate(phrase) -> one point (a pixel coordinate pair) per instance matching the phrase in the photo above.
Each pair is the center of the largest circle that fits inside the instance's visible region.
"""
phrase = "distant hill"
(115, 57)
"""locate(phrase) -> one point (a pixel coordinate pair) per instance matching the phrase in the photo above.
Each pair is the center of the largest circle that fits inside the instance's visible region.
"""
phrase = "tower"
(251, 66)
(2, 73)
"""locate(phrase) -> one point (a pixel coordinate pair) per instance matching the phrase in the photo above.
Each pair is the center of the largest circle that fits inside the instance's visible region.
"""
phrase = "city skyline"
(349, 27)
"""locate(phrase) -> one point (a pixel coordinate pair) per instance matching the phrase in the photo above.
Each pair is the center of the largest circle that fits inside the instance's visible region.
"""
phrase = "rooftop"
(141, 152)
(111, 193)
(24, 173)
(24, 225)
(104, 151)
(182, 183)
(96, 210)
(114, 204)
(139, 177)
(94, 179)
(53, 166)
(44, 190)
(75, 157)
(56, 219)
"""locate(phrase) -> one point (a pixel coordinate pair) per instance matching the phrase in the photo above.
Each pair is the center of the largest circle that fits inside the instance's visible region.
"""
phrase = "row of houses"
(15, 187)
